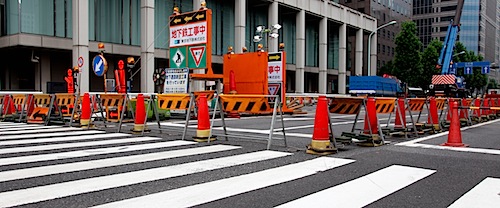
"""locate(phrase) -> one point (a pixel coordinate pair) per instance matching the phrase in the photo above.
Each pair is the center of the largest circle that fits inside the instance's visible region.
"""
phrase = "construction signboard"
(191, 33)
(276, 73)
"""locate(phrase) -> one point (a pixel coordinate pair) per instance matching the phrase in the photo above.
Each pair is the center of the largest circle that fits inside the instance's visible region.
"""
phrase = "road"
(56, 166)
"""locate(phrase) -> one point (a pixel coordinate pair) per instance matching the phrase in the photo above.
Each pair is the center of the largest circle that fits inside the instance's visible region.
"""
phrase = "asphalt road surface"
(55, 166)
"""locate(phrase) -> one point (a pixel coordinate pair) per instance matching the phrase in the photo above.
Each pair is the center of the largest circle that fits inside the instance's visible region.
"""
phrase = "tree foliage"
(407, 61)
(430, 57)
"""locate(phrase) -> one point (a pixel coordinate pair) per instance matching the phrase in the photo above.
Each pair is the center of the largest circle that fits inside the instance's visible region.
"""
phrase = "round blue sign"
(99, 65)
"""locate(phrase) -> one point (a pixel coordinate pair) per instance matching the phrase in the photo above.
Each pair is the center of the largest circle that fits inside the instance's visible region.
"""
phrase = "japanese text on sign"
(176, 81)
(274, 73)
(189, 34)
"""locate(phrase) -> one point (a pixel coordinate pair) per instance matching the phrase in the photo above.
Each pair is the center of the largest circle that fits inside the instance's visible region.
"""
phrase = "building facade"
(384, 11)
(41, 39)
(479, 24)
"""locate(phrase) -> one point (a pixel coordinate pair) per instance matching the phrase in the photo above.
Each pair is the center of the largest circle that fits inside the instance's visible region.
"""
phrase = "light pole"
(369, 43)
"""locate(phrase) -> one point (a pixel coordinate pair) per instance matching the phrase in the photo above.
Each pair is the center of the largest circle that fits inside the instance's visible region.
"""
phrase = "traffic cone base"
(138, 128)
(202, 136)
(320, 147)
(455, 144)
(454, 134)
(84, 122)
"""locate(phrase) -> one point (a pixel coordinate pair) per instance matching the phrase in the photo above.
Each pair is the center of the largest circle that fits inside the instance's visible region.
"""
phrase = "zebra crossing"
(51, 155)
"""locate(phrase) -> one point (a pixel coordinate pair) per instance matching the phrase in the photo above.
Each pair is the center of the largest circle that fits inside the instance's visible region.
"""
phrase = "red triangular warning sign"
(197, 53)
(273, 89)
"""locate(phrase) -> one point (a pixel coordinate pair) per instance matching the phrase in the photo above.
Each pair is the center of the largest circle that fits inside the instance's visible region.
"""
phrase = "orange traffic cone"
(400, 115)
(8, 105)
(321, 144)
(433, 118)
(454, 135)
(140, 115)
(85, 117)
(371, 118)
(203, 131)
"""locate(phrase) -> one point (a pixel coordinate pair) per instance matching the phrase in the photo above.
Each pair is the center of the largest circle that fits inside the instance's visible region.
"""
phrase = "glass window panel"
(12, 17)
(37, 17)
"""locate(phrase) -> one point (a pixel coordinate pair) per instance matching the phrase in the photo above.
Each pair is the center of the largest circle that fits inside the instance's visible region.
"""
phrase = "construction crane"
(447, 84)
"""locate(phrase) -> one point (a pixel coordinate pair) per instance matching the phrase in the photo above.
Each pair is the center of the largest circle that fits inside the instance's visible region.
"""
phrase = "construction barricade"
(43, 109)
(107, 103)
(174, 101)
(15, 107)
(401, 126)
(68, 104)
(353, 106)
(250, 104)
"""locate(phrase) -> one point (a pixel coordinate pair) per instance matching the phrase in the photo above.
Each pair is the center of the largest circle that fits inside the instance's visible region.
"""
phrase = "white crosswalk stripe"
(24, 128)
(108, 167)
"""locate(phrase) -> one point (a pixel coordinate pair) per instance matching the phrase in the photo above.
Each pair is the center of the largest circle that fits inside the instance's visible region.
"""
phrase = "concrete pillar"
(342, 58)
(81, 42)
(273, 19)
(300, 49)
(42, 73)
(323, 50)
(373, 55)
(147, 45)
(239, 25)
(359, 52)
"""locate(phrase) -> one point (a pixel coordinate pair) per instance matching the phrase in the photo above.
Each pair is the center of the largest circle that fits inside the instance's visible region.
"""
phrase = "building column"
(373, 56)
(359, 53)
(239, 25)
(147, 45)
(81, 42)
(342, 58)
(273, 19)
(323, 50)
(42, 73)
(300, 49)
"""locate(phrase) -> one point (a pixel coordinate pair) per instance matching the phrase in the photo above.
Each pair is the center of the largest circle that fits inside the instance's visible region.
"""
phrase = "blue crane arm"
(447, 50)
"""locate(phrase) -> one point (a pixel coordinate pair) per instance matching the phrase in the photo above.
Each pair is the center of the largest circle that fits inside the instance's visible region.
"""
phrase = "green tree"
(388, 68)
(492, 84)
(407, 61)
(430, 57)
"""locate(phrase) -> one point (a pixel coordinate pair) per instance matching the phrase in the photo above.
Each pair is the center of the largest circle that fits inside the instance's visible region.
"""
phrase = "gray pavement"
(159, 169)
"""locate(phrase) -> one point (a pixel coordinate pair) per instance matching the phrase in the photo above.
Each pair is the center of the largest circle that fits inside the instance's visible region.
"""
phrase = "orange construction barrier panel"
(252, 104)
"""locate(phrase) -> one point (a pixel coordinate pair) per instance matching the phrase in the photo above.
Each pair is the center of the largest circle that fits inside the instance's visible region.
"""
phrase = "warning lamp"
(130, 62)
(244, 49)
(282, 47)
(76, 69)
(177, 11)
(203, 5)
(230, 50)
(260, 47)
(100, 46)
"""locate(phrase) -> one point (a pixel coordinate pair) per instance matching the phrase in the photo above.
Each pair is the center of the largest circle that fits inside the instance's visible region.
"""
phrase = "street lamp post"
(369, 43)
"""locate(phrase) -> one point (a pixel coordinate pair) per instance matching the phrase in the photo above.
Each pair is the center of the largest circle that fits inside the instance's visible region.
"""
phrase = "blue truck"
(375, 86)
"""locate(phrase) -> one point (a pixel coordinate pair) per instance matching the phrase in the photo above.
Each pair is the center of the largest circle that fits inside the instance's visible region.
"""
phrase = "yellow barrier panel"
(209, 93)
(440, 103)
(346, 105)
(245, 103)
(416, 104)
(43, 108)
(173, 101)
(385, 105)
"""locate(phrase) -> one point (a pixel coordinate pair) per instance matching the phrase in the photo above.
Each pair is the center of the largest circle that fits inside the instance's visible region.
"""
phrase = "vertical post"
(373, 55)
(147, 45)
(239, 25)
(342, 58)
(359, 52)
(198, 85)
(323, 50)
(300, 54)
(272, 44)
(81, 41)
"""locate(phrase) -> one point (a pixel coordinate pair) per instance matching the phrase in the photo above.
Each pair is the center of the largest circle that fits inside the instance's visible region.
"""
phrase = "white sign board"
(176, 81)
(188, 34)
(275, 68)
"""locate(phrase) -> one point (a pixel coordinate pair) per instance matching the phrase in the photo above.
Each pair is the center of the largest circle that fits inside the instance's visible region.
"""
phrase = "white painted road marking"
(485, 195)
(108, 162)
(371, 187)
(80, 144)
(24, 128)
(210, 191)
(53, 191)
(99, 135)
(40, 131)
(88, 152)
(45, 135)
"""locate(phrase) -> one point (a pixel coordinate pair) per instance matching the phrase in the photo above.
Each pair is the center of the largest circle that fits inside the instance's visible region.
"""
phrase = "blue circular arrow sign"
(99, 65)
